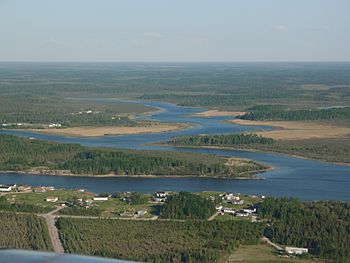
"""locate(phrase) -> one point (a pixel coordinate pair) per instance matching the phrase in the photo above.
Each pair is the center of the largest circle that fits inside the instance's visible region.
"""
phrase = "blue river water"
(292, 177)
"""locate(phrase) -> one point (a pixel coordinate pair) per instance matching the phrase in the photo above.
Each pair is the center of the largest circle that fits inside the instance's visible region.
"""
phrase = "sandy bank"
(111, 130)
(298, 130)
(217, 113)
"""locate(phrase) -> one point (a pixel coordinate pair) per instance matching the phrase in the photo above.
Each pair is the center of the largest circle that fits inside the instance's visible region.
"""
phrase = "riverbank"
(222, 147)
(218, 113)
(299, 130)
(90, 131)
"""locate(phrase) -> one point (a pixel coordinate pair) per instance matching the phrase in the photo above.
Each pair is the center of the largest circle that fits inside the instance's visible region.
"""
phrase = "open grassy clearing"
(298, 130)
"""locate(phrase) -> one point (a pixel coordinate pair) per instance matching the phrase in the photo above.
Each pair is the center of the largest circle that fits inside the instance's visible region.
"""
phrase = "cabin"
(296, 250)
(51, 199)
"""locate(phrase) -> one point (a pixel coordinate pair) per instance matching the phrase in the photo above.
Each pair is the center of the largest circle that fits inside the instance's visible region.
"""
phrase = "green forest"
(24, 231)
(157, 241)
(186, 205)
(326, 150)
(17, 154)
(323, 226)
(223, 139)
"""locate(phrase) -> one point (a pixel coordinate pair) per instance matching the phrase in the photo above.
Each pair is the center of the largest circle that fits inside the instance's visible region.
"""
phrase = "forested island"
(336, 151)
(24, 154)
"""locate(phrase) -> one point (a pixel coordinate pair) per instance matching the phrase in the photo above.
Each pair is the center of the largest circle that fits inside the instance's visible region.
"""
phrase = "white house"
(162, 194)
(229, 211)
(51, 199)
(6, 187)
(100, 198)
(296, 250)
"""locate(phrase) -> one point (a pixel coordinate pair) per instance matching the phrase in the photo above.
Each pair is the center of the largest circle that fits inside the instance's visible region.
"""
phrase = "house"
(233, 199)
(229, 210)
(296, 250)
(51, 199)
(7, 187)
(219, 208)
(100, 198)
(141, 212)
(249, 210)
(161, 194)
(55, 125)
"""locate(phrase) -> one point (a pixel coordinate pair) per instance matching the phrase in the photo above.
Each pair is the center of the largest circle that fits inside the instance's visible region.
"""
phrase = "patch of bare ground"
(299, 130)
(217, 113)
(111, 130)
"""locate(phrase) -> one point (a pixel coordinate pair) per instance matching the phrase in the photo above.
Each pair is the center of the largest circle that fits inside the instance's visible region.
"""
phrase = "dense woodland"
(21, 153)
(327, 150)
(298, 115)
(186, 205)
(161, 241)
(65, 119)
(323, 227)
(227, 139)
(24, 231)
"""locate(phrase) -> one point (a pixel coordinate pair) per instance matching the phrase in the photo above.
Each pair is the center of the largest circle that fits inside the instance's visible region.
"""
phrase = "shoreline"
(258, 151)
(92, 131)
(251, 175)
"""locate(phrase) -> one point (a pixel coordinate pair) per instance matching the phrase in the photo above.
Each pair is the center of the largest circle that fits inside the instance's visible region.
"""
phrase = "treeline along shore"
(330, 151)
(37, 156)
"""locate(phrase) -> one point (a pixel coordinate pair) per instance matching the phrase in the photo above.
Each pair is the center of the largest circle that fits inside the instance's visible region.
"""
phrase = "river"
(292, 177)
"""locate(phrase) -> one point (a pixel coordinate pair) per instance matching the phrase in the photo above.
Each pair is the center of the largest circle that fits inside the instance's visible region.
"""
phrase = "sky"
(175, 30)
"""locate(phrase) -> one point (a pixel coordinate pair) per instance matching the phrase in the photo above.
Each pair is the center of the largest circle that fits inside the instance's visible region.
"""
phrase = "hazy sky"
(175, 30)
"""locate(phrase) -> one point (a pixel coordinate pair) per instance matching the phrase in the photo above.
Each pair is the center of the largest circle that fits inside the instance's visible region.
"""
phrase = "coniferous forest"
(23, 231)
(17, 154)
(323, 226)
(157, 241)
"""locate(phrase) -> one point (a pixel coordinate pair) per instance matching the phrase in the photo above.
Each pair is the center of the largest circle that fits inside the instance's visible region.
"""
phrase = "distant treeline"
(24, 231)
(157, 241)
(298, 115)
(224, 139)
(21, 153)
(187, 206)
(66, 119)
(323, 227)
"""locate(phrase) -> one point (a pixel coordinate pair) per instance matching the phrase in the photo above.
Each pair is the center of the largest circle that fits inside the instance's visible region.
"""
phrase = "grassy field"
(300, 130)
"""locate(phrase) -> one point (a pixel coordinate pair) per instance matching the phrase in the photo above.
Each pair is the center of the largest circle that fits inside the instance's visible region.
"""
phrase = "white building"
(51, 199)
(100, 198)
(6, 187)
(296, 250)
(162, 194)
